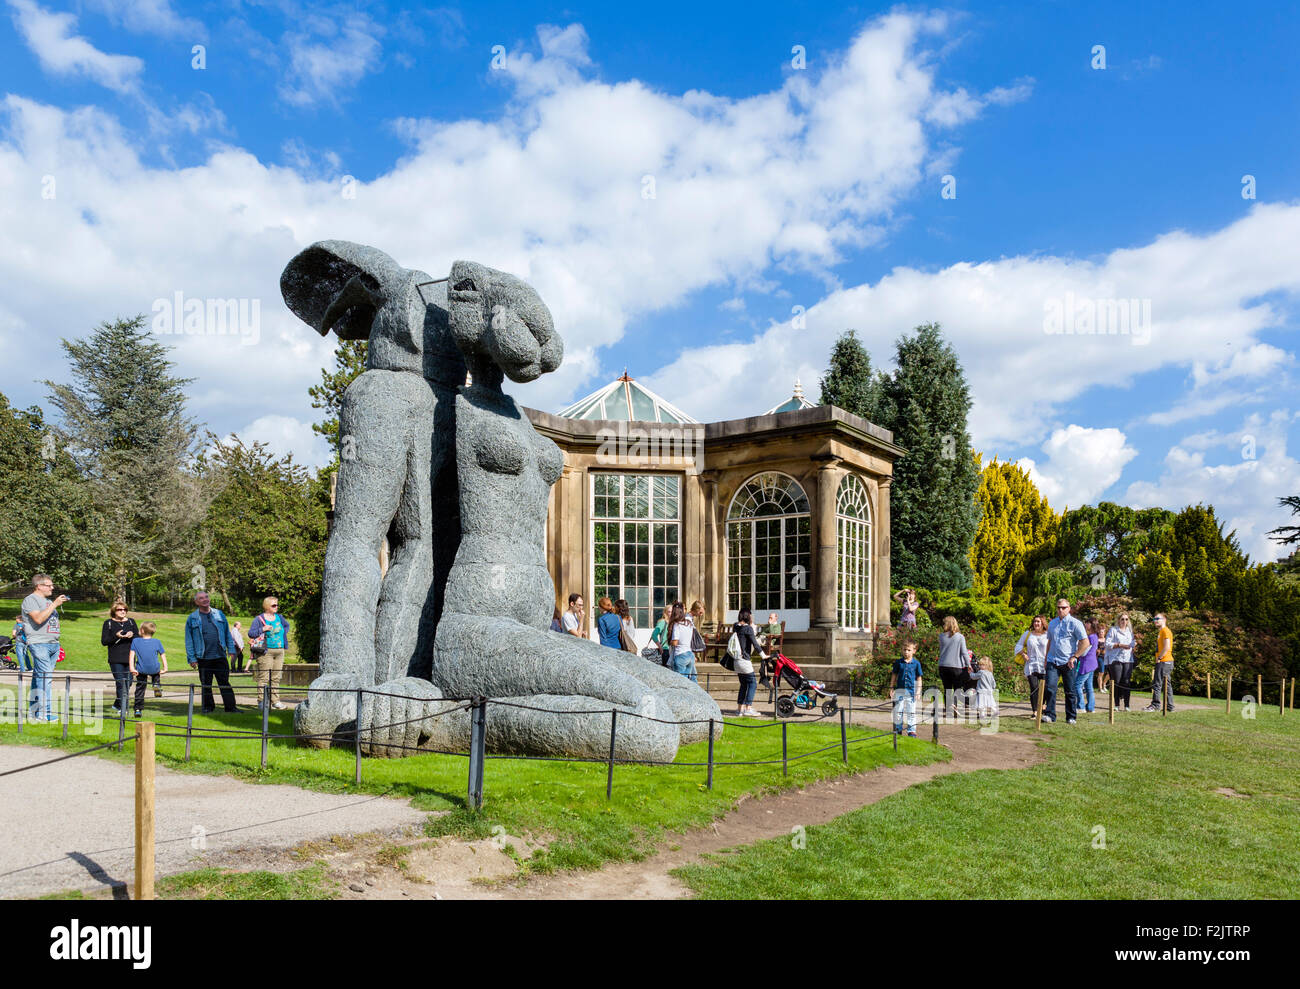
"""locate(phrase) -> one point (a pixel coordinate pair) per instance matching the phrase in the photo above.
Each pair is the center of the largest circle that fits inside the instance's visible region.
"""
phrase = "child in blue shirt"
(147, 659)
(904, 685)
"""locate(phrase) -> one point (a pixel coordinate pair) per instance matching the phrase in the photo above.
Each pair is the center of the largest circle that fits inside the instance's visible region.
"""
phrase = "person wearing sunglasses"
(268, 637)
(1067, 642)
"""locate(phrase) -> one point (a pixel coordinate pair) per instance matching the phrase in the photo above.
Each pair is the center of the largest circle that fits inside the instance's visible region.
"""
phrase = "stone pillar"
(694, 552)
(880, 561)
(824, 614)
(714, 548)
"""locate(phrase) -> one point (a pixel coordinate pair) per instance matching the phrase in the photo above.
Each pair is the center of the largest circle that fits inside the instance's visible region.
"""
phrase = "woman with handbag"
(268, 638)
(1032, 651)
(681, 634)
(657, 649)
(627, 631)
(746, 643)
(1119, 655)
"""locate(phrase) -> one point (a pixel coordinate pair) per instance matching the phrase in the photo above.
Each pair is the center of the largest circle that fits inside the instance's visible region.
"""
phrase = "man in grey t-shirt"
(41, 624)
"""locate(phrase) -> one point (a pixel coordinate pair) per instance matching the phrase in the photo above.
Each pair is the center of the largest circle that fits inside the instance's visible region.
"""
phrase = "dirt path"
(449, 869)
(72, 823)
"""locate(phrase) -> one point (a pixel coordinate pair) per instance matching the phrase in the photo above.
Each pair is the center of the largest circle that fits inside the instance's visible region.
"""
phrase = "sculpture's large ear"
(338, 285)
(465, 294)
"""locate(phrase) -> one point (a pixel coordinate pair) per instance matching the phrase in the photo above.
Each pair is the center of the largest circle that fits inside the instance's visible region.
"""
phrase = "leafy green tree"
(124, 423)
(349, 362)
(1159, 584)
(1015, 519)
(264, 532)
(934, 514)
(47, 514)
(1100, 544)
(850, 382)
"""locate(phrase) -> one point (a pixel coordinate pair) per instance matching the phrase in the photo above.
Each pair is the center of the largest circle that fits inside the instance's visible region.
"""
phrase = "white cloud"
(150, 17)
(1081, 464)
(287, 435)
(330, 59)
(49, 35)
(552, 190)
(1206, 291)
(1253, 471)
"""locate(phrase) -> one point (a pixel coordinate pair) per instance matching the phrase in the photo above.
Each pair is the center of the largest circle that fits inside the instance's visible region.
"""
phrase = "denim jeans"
(1086, 698)
(684, 663)
(748, 684)
(44, 655)
(1054, 675)
(904, 709)
(122, 678)
(22, 657)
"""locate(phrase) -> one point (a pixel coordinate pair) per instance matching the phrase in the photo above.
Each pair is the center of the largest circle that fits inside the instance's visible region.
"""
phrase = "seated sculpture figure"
(458, 481)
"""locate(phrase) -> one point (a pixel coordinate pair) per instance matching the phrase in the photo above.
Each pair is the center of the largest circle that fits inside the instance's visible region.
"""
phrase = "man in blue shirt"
(208, 646)
(1067, 641)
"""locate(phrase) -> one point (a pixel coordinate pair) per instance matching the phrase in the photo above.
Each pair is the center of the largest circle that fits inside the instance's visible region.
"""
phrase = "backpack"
(728, 660)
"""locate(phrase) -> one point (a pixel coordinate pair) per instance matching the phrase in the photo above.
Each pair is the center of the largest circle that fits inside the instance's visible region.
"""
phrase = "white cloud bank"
(50, 37)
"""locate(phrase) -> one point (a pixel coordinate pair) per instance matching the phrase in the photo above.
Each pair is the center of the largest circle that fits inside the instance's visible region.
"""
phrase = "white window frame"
(852, 591)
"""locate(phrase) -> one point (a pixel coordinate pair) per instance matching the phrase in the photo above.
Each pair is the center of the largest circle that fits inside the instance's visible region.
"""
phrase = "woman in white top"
(1034, 645)
(680, 631)
(1119, 656)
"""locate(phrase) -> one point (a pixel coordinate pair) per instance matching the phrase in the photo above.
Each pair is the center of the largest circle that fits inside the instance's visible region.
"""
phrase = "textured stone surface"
(396, 474)
(494, 637)
(458, 479)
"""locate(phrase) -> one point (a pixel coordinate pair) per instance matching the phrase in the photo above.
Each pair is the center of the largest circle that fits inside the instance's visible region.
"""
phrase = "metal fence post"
(67, 705)
(785, 760)
(613, 731)
(710, 754)
(844, 737)
(121, 726)
(189, 722)
(356, 739)
(935, 721)
(21, 705)
(266, 718)
(895, 734)
(477, 746)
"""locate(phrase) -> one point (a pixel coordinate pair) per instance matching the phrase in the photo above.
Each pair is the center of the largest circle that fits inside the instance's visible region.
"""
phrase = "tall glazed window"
(636, 541)
(853, 554)
(769, 536)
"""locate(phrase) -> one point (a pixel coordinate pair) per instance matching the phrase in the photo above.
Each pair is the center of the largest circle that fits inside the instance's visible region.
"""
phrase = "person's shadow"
(96, 871)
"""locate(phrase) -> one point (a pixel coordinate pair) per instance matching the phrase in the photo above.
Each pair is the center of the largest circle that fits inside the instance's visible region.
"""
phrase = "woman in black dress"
(118, 633)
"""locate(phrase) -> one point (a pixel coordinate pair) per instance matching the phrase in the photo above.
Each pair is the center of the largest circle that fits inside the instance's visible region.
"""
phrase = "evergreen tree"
(264, 532)
(349, 362)
(1015, 519)
(1100, 544)
(1158, 583)
(47, 515)
(934, 514)
(125, 426)
(849, 382)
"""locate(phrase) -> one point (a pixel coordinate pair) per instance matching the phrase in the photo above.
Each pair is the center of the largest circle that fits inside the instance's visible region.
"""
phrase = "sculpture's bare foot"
(329, 711)
(689, 702)
(398, 718)
(502, 658)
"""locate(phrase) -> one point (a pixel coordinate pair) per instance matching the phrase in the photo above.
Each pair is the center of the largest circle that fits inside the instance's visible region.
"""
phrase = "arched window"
(853, 553)
(768, 547)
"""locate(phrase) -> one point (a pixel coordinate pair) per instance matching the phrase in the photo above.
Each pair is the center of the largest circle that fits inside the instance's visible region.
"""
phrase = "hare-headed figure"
(494, 635)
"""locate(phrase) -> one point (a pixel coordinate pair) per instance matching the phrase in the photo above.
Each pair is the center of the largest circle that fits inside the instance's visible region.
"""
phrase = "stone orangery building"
(784, 512)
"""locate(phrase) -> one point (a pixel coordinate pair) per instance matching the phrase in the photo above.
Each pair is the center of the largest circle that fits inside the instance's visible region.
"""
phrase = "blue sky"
(776, 187)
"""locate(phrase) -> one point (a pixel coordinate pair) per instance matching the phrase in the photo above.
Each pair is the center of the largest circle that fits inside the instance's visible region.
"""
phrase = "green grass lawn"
(562, 804)
(81, 624)
(1149, 782)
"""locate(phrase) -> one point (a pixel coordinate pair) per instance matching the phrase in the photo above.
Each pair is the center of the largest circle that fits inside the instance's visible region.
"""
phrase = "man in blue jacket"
(208, 646)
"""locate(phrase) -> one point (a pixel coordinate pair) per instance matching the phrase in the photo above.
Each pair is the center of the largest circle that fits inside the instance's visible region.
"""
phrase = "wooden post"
(1259, 688)
(1227, 693)
(1292, 705)
(1207, 686)
(1281, 697)
(1038, 717)
(1167, 694)
(144, 811)
(1112, 707)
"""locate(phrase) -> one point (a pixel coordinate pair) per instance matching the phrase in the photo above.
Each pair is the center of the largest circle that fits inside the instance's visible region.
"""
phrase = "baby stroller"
(6, 647)
(806, 692)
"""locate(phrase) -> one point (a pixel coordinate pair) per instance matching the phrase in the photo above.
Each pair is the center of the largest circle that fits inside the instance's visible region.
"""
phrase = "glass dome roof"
(626, 400)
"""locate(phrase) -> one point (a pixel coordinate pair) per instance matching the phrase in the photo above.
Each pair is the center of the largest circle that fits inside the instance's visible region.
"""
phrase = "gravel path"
(71, 825)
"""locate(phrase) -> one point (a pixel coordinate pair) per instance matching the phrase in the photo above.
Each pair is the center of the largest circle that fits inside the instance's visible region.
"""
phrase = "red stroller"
(806, 692)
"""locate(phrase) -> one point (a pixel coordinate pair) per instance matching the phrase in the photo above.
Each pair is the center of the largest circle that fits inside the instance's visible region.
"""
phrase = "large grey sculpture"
(479, 624)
